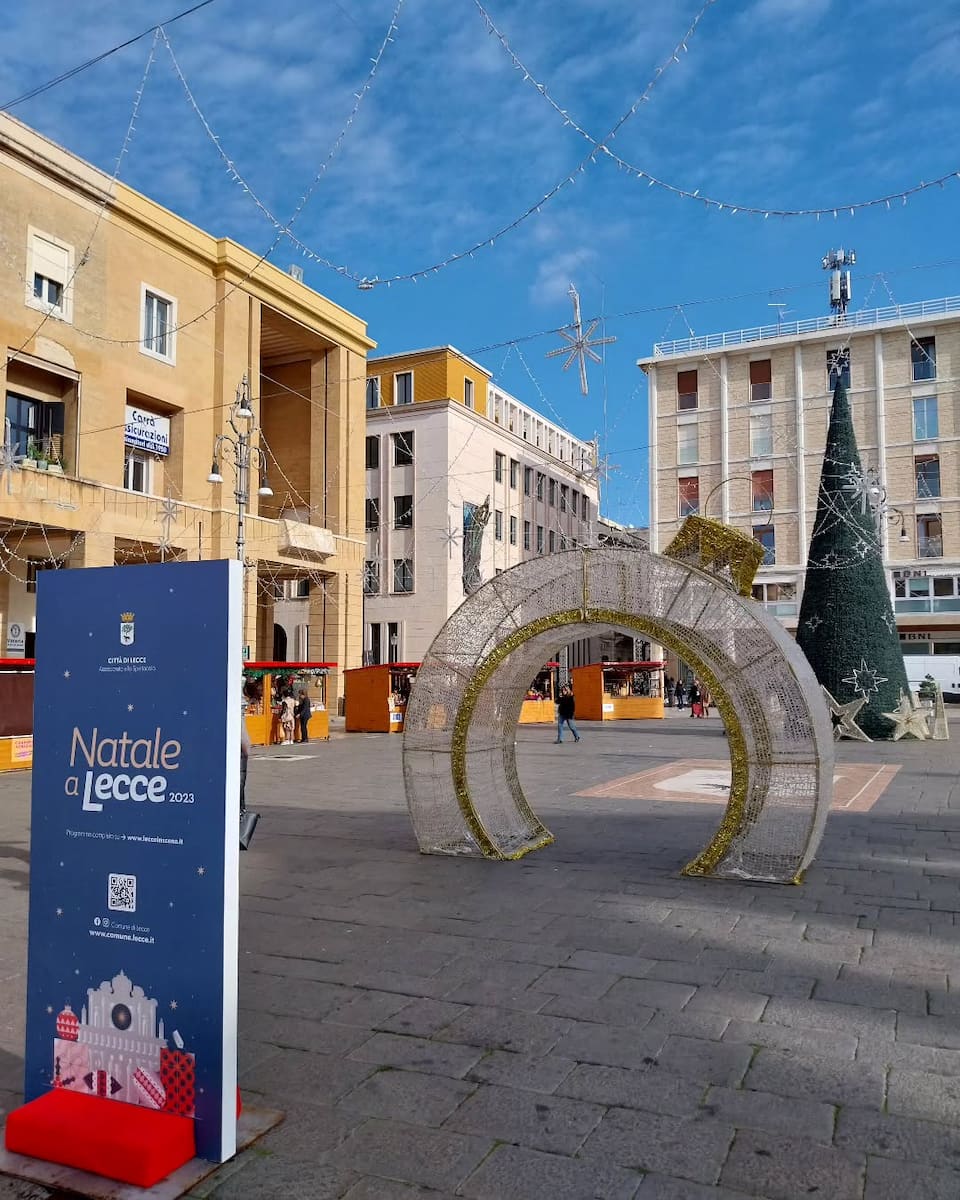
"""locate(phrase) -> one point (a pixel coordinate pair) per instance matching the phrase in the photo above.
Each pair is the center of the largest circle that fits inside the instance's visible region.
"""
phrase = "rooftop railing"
(839, 324)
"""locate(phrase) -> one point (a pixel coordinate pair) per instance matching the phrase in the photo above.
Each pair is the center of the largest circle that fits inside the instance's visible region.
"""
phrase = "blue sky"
(779, 103)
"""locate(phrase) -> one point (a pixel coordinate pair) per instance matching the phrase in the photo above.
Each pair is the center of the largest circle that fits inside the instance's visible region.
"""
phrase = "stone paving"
(584, 1023)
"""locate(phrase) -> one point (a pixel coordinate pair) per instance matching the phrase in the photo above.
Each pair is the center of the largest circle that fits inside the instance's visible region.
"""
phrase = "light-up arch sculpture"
(459, 750)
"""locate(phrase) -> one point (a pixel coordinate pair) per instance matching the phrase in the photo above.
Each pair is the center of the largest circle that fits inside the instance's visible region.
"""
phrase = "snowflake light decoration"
(451, 538)
(857, 486)
(8, 462)
(813, 622)
(169, 511)
(580, 343)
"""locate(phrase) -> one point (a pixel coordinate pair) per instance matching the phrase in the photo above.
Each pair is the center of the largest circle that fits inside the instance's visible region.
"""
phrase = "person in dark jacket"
(302, 713)
(694, 697)
(566, 708)
(678, 693)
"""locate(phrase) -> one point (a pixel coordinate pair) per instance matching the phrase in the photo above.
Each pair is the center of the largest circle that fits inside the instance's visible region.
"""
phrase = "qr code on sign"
(122, 893)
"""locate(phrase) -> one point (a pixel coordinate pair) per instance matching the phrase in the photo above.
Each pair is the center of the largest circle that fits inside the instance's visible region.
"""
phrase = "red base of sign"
(105, 1137)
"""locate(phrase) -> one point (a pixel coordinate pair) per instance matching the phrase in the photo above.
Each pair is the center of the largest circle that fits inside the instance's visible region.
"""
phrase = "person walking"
(566, 709)
(668, 690)
(706, 700)
(678, 693)
(287, 718)
(302, 712)
(696, 708)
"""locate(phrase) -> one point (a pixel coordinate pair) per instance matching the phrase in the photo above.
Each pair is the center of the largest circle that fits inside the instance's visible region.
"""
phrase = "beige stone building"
(738, 425)
(126, 332)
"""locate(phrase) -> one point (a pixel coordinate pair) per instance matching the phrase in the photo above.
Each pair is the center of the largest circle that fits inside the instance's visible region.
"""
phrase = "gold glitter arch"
(459, 753)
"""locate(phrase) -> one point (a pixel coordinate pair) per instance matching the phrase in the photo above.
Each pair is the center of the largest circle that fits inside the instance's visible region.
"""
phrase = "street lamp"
(876, 496)
(244, 456)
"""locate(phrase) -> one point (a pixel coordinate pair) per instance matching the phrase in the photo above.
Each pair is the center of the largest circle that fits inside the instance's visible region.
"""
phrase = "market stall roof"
(17, 664)
(404, 666)
(288, 668)
(630, 666)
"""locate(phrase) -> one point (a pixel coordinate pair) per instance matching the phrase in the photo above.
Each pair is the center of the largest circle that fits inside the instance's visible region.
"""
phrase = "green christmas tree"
(847, 628)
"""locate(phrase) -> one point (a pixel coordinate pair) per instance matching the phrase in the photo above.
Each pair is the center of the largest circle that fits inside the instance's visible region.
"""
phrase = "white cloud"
(556, 273)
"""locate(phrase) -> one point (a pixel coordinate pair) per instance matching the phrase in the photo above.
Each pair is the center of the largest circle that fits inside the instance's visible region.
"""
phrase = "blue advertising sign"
(132, 973)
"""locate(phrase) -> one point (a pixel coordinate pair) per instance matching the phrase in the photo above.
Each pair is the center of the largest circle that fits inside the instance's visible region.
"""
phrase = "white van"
(945, 669)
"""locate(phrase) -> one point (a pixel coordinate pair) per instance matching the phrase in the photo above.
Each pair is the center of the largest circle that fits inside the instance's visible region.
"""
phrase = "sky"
(773, 104)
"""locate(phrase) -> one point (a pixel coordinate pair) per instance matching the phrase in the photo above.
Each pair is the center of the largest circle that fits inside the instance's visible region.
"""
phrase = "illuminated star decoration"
(843, 718)
(858, 486)
(864, 680)
(168, 514)
(580, 343)
(451, 538)
(908, 720)
(813, 622)
(201, 870)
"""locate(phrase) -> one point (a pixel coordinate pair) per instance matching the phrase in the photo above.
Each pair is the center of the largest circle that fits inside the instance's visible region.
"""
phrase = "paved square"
(583, 1023)
(856, 786)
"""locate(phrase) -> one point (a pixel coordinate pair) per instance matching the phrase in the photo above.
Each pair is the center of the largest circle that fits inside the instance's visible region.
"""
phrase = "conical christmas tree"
(847, 629)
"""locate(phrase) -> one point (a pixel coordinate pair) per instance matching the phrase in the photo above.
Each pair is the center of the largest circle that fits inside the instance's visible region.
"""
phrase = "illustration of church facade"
(117, 1050)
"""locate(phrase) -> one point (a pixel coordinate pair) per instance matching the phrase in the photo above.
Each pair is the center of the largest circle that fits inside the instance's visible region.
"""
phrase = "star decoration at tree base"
(843, 717)
(908, 720)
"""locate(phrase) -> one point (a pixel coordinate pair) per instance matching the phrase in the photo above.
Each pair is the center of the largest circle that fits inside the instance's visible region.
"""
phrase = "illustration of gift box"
(178, 1078)
(150, 1088)
(102, 1084)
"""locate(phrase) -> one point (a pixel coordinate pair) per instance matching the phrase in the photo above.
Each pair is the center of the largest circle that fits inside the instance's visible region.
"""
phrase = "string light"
(640, 173)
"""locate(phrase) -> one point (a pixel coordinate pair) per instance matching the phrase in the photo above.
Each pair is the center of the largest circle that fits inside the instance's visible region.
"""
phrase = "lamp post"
(243, 423)
(876, 496)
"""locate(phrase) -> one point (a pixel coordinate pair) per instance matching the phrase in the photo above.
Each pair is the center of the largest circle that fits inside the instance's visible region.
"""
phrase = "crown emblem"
(127, 617)
(730, 556)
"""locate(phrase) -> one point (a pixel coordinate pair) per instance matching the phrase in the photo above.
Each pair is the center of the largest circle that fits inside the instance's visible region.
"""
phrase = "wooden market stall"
(618, 691)
(539, 704)
(375, 697)
(264, 686)
(16, 713)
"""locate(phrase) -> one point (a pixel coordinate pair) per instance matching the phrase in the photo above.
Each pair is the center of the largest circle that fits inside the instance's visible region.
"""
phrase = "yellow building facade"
(126, 333)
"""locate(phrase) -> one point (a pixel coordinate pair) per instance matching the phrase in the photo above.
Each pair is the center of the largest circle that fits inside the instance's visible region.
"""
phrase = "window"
(527, 480)
(552, 493)
(926, 419)
(403, 387)
(575, 502)
(296, 589)
(761, 435)
(526, 535)
(541, 484)
(372, 515)
(762, 491)
(586, 508)
(539, 539)
(688, 443)
(35, 427)
(49, 271)
(402, 448)
(402, 577)
(159, 321)
(686, 390)
(923, 358)
(403, 512)
(765, 536)
(513, 531)
(563, 541)
(373, 392)
(468, 393)
(371, 578)
(929, 537)
(376, 643)
(498, 525)
(498, 461)
(514, 472)
(927, 470)
(393, 641)
(838, 368)
(761, 379)
(552, 541)
(688, 494)
(33, 566)
(564, 496)
(136, 471)
(373, 453)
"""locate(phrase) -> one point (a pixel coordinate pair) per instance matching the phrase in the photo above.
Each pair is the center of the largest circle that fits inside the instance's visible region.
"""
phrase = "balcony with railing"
(867, 318)
(930, 547)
